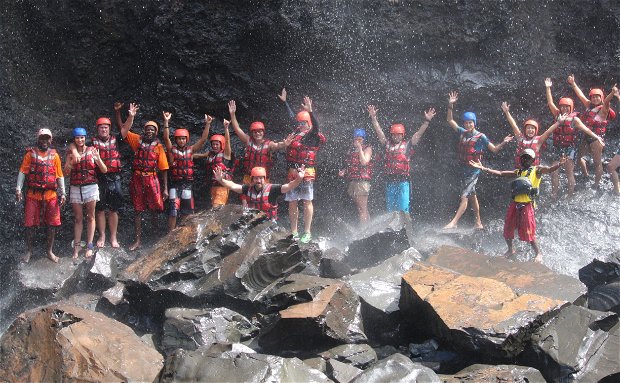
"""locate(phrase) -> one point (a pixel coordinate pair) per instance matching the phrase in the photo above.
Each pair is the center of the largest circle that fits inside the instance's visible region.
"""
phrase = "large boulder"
(397, 369)
(482, 373)
(62, 342)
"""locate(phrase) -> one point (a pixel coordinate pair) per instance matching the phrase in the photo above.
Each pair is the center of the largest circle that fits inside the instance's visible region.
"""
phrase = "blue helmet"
(469, 116)
(79, 131)
(359, 133)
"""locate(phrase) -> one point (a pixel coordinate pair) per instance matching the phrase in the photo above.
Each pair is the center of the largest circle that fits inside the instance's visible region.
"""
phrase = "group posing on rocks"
(164, 172)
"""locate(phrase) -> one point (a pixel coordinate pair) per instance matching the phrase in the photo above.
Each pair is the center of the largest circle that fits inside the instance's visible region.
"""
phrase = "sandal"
(89, 250)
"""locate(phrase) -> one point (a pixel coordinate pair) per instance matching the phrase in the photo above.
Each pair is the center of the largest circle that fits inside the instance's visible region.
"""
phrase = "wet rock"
(600, 272)
(190, 329)
(398, 369)
(341, 372)
(102, 273)
(474, 314)
(604, 297)
(388, 235)
(42, 281)
(428, 354)
(202, 366)
(577, 345)
(331, 315)
(332, 264)
(523, 277)
(482, 373)
(62, 342)
(357, 355)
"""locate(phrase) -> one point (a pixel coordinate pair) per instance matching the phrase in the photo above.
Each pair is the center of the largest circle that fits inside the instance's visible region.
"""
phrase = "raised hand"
(232, 107)
(301, 171)
(562, 117)
(505, 107)
(571, 79)
(372, 111)
(289, 139)
(429, 114)
(548, 82)
(341, 173)
(507, 139)
(208, 119)
(226, 124)
(476, 164)
(95, 154)
(307, 105)
(282, 96)
(167, 117)
(218, 174)
(118, 105)
(453, 97)
(133, 109)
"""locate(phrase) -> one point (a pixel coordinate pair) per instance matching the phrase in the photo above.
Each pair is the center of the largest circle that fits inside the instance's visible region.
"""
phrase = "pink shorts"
(33, 209)
(145, 193)
(520, 216)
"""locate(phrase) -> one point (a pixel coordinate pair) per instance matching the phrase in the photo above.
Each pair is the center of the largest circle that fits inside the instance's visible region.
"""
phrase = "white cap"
(529, 152)
(44, 132)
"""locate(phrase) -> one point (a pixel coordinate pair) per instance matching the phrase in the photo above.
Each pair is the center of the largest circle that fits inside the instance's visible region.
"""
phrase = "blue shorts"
(397, 196)
(468, 184)
(305, 192)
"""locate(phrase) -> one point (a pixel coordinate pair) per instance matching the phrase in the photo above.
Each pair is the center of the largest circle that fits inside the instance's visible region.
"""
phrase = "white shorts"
(83, 194)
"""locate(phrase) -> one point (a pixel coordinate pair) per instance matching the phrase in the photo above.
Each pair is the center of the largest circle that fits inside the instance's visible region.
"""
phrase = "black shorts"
(110, 197)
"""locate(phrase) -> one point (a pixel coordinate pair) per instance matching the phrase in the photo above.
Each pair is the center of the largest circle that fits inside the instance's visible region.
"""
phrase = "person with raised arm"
(527, 138)
(565, 138)
(471, 146)
(149, 159)
(596, 118)
(181, 162)
(397, 158)
(358, 171)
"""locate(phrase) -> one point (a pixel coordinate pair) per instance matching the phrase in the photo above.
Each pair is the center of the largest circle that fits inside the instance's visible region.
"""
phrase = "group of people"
(165, 172)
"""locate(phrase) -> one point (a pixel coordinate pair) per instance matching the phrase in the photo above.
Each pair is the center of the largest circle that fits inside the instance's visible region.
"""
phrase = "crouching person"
(260, 195)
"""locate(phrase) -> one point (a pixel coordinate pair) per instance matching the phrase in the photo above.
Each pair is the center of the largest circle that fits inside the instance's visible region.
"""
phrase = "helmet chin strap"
(42, 148)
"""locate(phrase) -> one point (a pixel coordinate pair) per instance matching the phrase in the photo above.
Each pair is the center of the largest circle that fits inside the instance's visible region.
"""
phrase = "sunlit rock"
(107, 264)
(203, 366)
(579, 345)
(190, 329)
(62, 342)
(482, 373)
(600, 272)
(332, 264)
(397, 369)
(358, 355)
(341, 372)
(41, 281)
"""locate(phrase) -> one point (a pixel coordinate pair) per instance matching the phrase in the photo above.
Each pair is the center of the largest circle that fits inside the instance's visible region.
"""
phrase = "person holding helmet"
(520, 213)
(260, 194)
(527, 138)
(596, 118)
(565, 138)
(149, 159)
(397, 157)
(220, 156)
(41, 172)
(84, 192)
(181, 160)
(359, 173)
(471, 146)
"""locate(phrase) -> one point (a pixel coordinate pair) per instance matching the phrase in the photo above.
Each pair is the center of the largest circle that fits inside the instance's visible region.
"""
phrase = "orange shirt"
(133, 140)
(25, 168)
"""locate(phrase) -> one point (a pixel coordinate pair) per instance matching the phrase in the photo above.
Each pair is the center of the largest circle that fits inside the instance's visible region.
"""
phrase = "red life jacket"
(599, 127)
(523, 144)
(217, 160)
(301, 154)
(565, 134)
(355, 170)
(84, 173)
(397, 159)
(467, 148)
(146, 157)
(108, 151)
(257, 155)
(42, 173)
(182, 168)
(260, 201)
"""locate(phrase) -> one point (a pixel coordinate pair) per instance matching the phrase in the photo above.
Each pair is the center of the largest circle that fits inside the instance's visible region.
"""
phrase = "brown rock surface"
(62, 342)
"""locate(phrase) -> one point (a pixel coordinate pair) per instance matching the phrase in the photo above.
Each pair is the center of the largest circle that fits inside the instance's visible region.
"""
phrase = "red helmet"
(257, 125)
(153, 124)
(181, 133)
(103, 121)
(567, 101)
(258, 171)
(219, 138)
(397, 129)
(531, 122)
(598, 91)
(304, 116)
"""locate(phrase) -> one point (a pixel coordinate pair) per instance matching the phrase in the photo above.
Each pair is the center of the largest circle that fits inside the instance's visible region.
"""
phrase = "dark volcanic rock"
(358, 355)
(398, 369)
(599, 272)
(481, 373)
(605, 297)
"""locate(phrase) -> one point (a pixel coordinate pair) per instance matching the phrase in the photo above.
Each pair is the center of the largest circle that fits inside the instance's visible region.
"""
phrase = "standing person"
(614, 164)
(260, 194)
(565, 139)
(220, 156)
(41, 171)
(181, 161)
(526, 139)
(596, 118)
(520, 213)
(84, 192)
(471, 146)
(359, 173)
(397, 159)
(306, 142)
(149, 158)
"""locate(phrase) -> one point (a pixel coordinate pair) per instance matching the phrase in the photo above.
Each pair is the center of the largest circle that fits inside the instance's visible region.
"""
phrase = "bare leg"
(90, 226)
(476, 208)
(536, 249)
(583, 151)
(51, 233)
(100, 217)
(293, 215)
(510, 252)
(113, 224)
(361, 201)
(78, 224)
(308, 213)
(569, 168)
(597, 155)
(29, 242)
(172, 222)
(612, 168)
(459, 213)
(555, 183)
(138, 227)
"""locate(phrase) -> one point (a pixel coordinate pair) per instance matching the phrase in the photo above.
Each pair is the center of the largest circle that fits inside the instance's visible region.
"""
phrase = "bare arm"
(547, 133)
(166, 131)
(452, 98)
(218, 175)
(301, 172)
(372, 112)
(550, 169)
(227, 147)
(498, 147)
(582, 97)
(605, 109)
(117, 114)
(581, 126)
(98, 161)
(274, 146)
(428, 116)
(164, 178)
(513, 124)
(501, 173)
(205, 135)
(133, 109)
(232, 109)
(552, 108)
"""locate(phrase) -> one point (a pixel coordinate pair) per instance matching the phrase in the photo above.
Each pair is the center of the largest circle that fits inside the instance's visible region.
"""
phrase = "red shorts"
(33, 209)
(145, 193)
(520, 216)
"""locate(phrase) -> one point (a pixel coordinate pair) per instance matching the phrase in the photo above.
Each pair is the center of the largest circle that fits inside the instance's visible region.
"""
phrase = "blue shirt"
(481, 145)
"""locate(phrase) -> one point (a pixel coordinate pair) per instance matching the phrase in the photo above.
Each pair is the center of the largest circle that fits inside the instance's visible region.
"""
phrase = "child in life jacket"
(526, 139)
(220, 156)
(520, 213)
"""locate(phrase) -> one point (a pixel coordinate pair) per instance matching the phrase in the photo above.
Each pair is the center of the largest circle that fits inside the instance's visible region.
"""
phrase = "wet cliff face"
(66, 62)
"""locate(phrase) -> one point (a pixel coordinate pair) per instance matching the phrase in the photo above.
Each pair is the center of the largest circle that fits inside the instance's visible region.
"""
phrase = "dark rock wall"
(66, 62)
